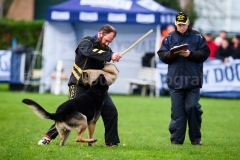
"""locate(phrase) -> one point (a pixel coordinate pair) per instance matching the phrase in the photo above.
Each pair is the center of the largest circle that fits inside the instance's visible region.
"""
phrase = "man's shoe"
(112, 144)
(44, 141)
(175, 143)
(197, 143)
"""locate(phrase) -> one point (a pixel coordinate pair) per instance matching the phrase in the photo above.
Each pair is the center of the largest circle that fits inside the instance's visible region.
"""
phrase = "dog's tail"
(38, 110)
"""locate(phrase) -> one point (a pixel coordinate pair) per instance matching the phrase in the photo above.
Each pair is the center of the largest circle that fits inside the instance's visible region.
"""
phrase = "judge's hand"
(185, 53)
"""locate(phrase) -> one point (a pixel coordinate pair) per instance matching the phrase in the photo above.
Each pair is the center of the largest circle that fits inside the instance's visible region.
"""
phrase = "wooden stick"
(134, 44)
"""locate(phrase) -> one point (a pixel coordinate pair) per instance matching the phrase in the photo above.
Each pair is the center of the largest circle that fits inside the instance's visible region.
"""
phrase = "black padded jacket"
(185, 72)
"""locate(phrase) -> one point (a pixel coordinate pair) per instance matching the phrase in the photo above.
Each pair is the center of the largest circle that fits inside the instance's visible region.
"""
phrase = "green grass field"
(143, 130)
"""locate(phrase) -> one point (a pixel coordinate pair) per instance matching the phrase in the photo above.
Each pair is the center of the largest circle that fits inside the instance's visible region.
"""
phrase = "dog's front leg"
(91, 128)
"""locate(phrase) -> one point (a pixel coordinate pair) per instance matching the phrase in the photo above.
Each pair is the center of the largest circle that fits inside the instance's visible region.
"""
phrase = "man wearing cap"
(184, 79)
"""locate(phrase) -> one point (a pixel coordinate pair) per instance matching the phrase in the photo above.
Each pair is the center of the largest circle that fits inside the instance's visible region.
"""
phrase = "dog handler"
(93, 53)
(184, 79)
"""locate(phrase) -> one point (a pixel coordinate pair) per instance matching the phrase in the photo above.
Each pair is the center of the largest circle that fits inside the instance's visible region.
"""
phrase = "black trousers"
(185, 110)
(109, 115)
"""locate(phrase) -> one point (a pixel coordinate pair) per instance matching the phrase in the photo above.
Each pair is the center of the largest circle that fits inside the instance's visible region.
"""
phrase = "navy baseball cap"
(181, 18)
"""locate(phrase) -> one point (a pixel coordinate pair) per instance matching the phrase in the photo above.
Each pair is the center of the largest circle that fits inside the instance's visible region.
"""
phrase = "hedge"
(26, 32)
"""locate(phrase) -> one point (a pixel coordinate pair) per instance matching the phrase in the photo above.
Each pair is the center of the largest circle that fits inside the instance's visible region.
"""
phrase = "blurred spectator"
(170, 28)
(221, 35)
(212, 46)
(236, 47)
(224, 51)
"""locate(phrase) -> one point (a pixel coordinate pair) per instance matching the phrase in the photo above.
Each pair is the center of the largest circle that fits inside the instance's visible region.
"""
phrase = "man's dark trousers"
(185, 109)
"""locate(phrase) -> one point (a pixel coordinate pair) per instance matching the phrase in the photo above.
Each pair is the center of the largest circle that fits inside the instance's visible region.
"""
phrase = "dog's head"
(100, 83)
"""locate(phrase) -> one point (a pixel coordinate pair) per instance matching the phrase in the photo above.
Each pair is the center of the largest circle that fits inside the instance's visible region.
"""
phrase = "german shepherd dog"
(78, 113)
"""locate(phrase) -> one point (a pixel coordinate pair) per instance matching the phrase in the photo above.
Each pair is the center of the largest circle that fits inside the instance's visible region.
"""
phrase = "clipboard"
(174, 52)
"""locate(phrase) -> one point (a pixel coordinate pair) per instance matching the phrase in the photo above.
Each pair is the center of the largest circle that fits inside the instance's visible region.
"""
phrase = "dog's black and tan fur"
(78, 113)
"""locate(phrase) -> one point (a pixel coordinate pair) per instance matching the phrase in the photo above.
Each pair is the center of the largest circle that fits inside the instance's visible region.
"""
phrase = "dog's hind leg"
(66, 134)
(63, 132)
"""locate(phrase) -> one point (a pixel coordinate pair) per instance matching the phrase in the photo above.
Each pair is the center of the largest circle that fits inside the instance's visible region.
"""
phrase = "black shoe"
(197, 143)
(112, 145)
(175, 143)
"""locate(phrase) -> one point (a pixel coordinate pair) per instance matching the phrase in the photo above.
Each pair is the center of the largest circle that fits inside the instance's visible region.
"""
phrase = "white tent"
(69, 22)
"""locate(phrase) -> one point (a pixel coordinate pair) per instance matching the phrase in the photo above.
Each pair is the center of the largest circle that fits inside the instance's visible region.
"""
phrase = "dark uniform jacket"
(88, 55)
(185, 72)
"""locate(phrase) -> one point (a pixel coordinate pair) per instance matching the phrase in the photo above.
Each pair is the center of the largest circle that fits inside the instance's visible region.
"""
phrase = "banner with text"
(5, 64)
(219, 79)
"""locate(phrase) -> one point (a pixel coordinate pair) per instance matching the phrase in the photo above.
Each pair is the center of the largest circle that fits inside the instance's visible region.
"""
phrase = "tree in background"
(174, 4)
(5, 4)
(187, 6)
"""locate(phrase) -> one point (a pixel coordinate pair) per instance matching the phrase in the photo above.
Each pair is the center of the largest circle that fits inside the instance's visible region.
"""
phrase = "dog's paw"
(94, 140)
